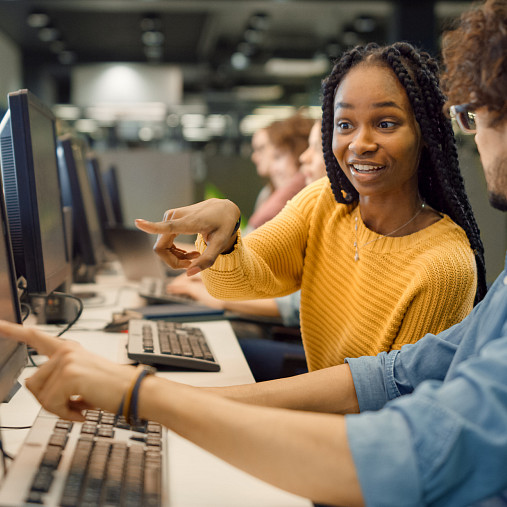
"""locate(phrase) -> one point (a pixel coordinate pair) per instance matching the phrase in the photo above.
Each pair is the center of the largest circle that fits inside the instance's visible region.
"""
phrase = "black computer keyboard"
(101, 462)
(160, 342)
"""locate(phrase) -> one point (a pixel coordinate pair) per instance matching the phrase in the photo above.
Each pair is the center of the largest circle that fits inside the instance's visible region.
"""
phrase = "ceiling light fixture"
(151, 22)
(365, 24)
(239, 61)
(48, 34)
(37, 19)
(294, 67)
(67, 57)
(152, 38)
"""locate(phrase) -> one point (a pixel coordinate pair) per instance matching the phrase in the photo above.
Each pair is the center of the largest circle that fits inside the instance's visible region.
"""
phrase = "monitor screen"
(88, 246)
(32, 193)
(113, 187)
(12, 355)
(102, 199)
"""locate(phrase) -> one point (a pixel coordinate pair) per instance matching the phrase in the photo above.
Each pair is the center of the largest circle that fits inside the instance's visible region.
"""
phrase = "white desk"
(196, 478)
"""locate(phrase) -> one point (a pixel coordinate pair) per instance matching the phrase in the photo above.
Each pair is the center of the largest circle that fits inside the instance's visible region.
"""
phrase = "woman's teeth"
(366, 168)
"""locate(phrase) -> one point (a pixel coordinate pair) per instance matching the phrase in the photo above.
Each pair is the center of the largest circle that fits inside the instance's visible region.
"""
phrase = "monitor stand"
(12, 392)
(84, 273)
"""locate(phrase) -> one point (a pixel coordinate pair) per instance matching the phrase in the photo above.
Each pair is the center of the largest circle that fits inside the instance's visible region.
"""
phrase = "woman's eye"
(343, 125)
(386, 124)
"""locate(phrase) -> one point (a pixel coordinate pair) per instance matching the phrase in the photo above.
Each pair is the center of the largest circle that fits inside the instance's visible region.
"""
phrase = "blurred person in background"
(261, 156)
(286, 141)
(312, 162)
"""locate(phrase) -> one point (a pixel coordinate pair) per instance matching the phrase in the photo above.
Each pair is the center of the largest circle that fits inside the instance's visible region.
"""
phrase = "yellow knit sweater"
(400, 289)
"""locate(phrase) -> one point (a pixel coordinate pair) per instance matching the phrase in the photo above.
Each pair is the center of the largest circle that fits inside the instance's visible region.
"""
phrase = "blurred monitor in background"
(88, 249)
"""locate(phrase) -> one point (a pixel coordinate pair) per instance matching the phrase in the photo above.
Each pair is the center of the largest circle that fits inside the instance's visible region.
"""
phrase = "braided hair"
(440, 182)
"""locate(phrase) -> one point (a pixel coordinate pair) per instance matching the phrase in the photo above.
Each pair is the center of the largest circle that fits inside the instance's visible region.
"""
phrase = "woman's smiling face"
(376, 138)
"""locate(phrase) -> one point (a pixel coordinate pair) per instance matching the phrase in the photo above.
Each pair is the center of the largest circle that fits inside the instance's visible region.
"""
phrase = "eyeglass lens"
(468, 121)
(464, 118)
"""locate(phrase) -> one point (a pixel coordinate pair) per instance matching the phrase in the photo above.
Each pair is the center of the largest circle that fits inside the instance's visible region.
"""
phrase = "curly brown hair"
(475, 56)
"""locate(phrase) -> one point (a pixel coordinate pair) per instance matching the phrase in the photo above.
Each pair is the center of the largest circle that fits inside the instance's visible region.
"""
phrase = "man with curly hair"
(425, 425)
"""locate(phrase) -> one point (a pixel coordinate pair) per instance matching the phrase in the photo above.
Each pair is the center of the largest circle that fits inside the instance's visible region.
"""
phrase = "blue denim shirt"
(441, 436)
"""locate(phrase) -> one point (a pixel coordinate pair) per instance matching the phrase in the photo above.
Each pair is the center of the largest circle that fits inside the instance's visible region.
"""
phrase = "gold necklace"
(356, 245)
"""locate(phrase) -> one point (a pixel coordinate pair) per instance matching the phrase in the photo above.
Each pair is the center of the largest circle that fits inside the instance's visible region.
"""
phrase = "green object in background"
(211, 191)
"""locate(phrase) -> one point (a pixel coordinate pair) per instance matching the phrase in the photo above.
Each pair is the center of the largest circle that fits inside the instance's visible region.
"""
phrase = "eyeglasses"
(464, 118)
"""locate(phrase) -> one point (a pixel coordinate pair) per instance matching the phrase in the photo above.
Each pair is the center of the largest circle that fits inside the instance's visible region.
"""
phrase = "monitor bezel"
(11, 366)
(21, 198)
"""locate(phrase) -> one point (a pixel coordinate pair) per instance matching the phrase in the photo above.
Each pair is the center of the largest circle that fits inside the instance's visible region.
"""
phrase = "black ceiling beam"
(415, 22)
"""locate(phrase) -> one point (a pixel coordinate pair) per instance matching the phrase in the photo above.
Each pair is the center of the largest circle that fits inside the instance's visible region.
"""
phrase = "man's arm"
(304, 453)
(330, 390)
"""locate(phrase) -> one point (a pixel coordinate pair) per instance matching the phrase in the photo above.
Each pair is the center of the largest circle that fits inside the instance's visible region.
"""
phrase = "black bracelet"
(235, 230)
(236, 227)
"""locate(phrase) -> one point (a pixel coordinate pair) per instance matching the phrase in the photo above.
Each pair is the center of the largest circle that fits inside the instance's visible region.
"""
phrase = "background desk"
(196, 477)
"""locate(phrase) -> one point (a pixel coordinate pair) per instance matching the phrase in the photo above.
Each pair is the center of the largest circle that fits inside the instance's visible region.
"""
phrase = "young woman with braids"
(383, 248)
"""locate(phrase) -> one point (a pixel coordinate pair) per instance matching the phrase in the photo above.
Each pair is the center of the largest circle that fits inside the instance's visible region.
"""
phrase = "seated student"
(383, 249)
(435, 412)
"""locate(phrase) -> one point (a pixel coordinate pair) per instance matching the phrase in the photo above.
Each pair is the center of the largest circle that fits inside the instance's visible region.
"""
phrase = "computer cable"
(5, 456)
(78, 313)
(28, 310)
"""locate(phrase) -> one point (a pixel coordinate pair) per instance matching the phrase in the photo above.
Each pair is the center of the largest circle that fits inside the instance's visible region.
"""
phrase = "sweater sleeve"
(267, 262)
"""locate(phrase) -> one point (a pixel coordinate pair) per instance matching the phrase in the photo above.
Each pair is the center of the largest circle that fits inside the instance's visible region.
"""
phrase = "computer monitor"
(13, 355)
(32, 193)
(113, 187)
(88, 246)
(102, 199)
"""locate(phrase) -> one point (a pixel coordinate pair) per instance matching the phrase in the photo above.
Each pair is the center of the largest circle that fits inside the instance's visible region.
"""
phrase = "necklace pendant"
(356, 256)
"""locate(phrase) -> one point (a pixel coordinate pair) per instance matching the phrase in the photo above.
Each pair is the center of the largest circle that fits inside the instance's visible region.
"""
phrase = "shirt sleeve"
(445, 444)
(378, 379)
